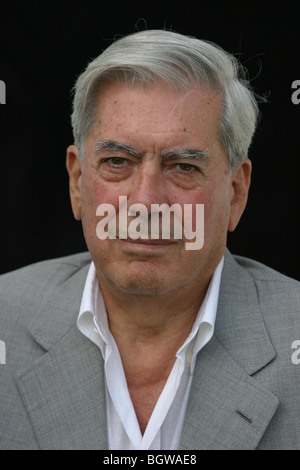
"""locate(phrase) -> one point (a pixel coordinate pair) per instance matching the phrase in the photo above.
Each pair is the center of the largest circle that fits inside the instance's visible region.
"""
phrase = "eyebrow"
(182, 153)
(176, 153)
(113, 146)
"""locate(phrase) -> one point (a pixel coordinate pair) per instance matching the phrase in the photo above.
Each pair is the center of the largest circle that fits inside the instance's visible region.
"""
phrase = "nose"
(148, 185)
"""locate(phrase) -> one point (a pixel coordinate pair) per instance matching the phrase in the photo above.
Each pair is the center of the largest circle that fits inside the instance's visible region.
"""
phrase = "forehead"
(157, 112)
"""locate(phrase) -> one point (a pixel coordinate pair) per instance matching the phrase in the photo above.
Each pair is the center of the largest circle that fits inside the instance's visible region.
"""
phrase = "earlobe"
(73, 164)
(240, 182)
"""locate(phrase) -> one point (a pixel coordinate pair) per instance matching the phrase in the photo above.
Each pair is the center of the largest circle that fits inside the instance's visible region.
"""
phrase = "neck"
(145, 319)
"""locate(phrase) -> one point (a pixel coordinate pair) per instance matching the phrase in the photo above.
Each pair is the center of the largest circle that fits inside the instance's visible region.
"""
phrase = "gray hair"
(180, 61)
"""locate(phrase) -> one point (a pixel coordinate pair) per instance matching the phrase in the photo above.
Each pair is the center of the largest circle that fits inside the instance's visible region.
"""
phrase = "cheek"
(216, 210)
(91, 196)
(93, 193)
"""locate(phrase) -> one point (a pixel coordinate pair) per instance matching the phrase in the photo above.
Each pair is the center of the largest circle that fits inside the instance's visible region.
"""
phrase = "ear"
(74, 170)
(240, 183)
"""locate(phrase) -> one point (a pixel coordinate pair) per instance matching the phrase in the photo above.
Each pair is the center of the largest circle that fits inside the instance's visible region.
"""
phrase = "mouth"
(148, 244)
(149, 241)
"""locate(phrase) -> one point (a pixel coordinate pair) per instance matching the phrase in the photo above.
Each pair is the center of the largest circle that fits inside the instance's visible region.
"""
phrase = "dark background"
(44, 46)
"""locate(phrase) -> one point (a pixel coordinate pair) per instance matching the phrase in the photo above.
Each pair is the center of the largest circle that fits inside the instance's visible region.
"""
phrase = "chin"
(141, 286)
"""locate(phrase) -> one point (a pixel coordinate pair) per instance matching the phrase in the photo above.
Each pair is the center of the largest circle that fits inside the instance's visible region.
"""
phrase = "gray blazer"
(245, 392)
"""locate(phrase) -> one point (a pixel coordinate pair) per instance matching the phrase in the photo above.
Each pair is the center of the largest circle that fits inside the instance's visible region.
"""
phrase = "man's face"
(134, 151)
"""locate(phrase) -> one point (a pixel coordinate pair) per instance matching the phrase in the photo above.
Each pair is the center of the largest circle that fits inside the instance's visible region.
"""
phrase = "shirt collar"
(204, 324)
(93, 323)
(92, 302)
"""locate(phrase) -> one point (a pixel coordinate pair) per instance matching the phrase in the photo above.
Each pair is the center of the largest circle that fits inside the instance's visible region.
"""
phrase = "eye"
(115, 161)
(186, 167)
(115, 168)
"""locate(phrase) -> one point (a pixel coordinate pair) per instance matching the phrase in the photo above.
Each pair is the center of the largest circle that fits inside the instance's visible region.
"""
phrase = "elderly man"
(146, 342)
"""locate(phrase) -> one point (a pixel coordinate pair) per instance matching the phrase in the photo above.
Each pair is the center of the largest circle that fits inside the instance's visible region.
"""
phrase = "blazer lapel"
(227, 408)
(65, 396)
(64, 391)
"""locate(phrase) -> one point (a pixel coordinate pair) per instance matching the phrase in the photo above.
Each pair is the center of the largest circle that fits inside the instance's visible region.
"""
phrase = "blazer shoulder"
(39, 274)
(261, 272)
(22, 291)
(278, 295)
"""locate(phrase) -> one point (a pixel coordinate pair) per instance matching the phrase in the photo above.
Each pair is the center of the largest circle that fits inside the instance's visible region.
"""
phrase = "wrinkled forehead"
(158, 106)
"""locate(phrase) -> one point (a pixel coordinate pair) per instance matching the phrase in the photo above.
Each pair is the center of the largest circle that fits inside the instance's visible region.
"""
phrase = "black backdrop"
(45, 45)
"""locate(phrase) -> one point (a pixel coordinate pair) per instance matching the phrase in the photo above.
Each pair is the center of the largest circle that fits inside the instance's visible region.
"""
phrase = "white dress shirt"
(164, 428)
